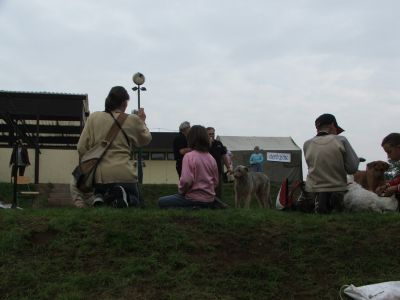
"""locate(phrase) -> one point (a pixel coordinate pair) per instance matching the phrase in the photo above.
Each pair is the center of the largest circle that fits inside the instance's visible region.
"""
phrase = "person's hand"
(390, 191)
(380, 190)
(386, 190)
(141, 114)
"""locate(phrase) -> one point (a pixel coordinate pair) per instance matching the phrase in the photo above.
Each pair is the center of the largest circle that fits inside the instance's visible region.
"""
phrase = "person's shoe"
(98, 201)
(219, 204)
(122, 200)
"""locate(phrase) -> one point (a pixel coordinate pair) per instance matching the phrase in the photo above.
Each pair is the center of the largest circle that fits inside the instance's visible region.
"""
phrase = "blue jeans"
(179, 201)
(257, 168)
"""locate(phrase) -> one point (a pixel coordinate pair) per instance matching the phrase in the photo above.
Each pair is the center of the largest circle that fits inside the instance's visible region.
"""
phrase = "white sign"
(282, 157)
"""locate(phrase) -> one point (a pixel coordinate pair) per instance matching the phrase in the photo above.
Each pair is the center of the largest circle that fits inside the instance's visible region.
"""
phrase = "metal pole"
(139, 160)
(138, 97)
(15, 176)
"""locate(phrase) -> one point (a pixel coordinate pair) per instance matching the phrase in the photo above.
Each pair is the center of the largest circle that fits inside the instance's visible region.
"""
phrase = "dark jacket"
(24, 156)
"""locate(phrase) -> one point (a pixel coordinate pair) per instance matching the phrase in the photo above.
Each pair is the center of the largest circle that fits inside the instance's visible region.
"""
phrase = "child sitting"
(391, 145)
(199, 175)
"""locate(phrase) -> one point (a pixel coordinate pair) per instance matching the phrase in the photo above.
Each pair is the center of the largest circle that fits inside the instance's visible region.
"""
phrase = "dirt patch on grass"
(40, 233)
(42, 238)
(185, 220)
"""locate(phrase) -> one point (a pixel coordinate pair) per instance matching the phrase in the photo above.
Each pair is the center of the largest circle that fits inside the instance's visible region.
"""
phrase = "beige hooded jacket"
(116, 166)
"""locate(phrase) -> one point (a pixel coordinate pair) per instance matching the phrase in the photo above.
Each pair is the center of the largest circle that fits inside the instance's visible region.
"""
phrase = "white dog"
(359, 199)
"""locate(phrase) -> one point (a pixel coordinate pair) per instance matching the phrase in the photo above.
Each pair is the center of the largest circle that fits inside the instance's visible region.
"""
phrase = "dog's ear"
(246, 168)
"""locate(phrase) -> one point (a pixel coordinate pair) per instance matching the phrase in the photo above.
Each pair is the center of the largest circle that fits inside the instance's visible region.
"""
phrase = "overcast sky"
(248, 68)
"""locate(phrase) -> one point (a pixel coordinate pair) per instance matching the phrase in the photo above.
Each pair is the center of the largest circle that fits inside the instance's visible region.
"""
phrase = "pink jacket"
(199, 176)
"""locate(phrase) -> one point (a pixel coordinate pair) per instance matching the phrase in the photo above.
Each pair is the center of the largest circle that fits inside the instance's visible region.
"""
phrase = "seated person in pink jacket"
(199, 174)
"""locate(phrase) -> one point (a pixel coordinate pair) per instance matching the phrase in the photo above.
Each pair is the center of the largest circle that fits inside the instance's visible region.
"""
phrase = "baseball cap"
(326, 119)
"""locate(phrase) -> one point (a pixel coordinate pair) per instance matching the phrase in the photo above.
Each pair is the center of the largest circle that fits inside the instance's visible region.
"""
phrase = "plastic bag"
(380, 291)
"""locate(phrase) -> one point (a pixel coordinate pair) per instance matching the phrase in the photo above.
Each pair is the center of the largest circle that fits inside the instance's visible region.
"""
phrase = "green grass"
(106, 253)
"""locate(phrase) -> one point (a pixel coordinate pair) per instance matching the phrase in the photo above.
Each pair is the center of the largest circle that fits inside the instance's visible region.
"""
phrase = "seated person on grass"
(199, 175)
(391, 145)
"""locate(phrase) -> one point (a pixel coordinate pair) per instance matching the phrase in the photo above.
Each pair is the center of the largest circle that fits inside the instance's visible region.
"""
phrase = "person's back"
(116, 169)
(326, 166)
(195, 181)
(329, 159)
(117, 164)
(199, 176)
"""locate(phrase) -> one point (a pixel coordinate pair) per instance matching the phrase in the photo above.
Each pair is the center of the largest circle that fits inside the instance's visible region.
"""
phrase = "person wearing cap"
(329, 159)
(180, 145)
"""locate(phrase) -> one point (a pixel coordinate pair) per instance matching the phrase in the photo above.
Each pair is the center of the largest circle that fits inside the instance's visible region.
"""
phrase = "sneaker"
(98, 201)
(121, 199)
(219, 204)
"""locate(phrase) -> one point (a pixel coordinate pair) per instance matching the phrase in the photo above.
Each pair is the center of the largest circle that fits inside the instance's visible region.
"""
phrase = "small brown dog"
(373, 176)
(249, 183)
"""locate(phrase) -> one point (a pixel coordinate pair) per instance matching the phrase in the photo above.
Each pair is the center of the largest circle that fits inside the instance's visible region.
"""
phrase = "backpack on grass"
(288, 194)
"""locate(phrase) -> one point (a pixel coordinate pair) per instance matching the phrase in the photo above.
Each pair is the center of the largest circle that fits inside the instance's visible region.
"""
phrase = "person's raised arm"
(351, 159)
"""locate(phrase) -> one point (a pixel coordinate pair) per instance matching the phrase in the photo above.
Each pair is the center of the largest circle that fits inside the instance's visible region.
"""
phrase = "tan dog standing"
(248, 184)
(374, 175)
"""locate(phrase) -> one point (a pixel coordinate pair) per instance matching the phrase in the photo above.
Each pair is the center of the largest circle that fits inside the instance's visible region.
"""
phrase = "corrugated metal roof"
(39, 92)
(246, 143)
(56, 118)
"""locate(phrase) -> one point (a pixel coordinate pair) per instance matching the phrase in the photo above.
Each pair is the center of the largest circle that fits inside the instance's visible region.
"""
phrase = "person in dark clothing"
(218, 151)
(22, 159)
(180, 145)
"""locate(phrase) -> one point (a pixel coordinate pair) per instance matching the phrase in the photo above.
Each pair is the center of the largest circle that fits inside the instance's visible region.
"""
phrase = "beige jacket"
(116, 165)
(329, 159)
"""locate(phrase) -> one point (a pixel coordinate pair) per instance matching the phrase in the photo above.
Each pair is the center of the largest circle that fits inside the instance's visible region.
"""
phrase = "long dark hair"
(197, 138)
(115, 98)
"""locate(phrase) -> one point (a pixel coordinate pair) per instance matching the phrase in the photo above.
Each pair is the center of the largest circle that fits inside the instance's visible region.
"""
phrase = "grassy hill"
(106, 253)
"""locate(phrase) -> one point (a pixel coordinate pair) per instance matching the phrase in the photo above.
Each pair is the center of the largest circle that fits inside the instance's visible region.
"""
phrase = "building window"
(145, 155)
(157, 156)
(170, 156)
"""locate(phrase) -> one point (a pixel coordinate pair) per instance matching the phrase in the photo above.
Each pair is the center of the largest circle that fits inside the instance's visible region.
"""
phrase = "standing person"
(199, 174)
(257, 160)
(180, 145)
(22, 159)
(218, 151)
(329, 159)
(116, 169)
(391, 145)
(228, 176)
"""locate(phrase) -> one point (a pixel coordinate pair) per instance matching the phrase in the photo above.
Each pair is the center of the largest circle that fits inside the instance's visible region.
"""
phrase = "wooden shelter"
(42, 120)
